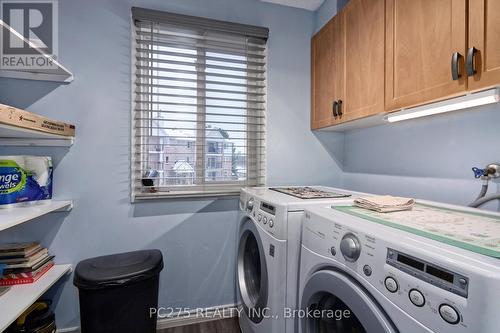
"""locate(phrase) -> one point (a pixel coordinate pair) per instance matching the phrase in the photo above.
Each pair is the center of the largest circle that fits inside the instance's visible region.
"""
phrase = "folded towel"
(385, 203)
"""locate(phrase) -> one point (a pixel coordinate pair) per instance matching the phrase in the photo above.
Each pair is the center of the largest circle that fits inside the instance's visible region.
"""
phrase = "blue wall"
(429, 158)
(425, 158)
(197, 237)
(327, 10)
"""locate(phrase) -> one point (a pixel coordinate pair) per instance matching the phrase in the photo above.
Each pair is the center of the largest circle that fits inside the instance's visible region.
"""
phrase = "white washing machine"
(269, 252)
(389, 279)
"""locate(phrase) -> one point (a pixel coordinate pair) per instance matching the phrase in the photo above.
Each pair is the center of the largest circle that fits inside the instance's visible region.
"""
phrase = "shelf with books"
(13, 216)
(20, 297)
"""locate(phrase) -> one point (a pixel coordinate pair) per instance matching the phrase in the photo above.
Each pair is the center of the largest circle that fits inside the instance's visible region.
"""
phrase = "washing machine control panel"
(350, 247)
(429, 272)
(266, 215)
(432, 291)
(250, 204)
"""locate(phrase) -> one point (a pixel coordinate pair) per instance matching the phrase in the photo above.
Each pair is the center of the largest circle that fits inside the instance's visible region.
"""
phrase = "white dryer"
(269, 252)
(389, 279)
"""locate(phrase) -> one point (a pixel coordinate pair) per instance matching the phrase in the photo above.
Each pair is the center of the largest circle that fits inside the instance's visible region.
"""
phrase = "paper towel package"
(25, 179)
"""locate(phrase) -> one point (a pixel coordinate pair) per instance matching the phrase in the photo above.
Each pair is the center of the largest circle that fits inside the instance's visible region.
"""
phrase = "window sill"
(141, 197)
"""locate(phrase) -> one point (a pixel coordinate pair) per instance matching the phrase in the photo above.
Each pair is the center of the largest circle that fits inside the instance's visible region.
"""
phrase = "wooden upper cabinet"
(421, 38)
(484, 36)
(364, 31)
(379, 56)
(348, 64)
(326, 59)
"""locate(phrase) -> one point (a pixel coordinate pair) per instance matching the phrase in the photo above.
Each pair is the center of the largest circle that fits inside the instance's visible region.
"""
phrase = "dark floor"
(216, 326)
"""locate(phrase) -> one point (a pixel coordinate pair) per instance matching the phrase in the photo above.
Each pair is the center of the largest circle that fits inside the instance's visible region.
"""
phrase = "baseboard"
(196, 317)
(186, 318)
(69, 329)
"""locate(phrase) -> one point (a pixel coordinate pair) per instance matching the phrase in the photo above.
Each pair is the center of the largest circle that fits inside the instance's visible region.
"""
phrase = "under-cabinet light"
(463, 102)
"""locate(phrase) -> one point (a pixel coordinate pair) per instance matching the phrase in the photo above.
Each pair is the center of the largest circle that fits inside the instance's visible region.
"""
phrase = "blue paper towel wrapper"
(25, 179)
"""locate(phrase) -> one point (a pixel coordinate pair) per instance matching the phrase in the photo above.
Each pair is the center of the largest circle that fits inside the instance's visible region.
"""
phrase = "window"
(213, 147)
(200, 94)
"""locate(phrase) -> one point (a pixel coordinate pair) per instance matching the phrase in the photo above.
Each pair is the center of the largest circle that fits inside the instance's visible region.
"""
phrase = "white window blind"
(199, 111)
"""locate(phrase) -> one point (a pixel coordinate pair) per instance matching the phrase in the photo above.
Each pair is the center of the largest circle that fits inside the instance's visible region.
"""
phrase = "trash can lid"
(117, 269)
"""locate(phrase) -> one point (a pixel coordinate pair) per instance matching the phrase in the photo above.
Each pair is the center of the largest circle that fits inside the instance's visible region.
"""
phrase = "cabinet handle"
(339, 108)
(335, 104)
(455, 66)
(471, 63)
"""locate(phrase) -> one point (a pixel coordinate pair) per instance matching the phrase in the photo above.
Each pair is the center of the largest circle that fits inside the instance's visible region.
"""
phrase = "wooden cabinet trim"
(484, 35)
(364, 56)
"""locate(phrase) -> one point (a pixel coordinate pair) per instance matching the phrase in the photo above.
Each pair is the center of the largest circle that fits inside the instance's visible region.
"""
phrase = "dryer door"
(252, 272)
(335, 302)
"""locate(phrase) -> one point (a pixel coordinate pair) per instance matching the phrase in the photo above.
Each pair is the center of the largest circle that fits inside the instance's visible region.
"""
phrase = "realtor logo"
(29, 34)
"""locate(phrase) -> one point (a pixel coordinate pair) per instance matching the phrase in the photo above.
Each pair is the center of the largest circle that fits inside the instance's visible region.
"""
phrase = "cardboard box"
(16, 117)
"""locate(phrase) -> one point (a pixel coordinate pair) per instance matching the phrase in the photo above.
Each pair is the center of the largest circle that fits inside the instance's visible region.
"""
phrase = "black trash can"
(118, 291)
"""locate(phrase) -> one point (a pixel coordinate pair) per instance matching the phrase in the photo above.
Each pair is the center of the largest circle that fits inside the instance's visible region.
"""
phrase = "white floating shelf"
(18, 136)
(12, 216)
(58, 73)
(19, 298)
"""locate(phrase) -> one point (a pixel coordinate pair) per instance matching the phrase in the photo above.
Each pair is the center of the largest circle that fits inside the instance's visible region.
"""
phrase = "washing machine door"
(252, 276)
(344, 306)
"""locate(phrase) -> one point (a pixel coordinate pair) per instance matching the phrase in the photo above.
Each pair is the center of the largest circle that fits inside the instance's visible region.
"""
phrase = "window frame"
(203, 152)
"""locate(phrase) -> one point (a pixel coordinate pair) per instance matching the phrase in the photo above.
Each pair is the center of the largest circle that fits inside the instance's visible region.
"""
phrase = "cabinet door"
(364, 29)
(484, 36)
(326, 73)
(421, 37)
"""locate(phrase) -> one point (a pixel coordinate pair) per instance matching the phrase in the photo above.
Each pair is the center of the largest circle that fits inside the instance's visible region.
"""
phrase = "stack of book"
(24, 263)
